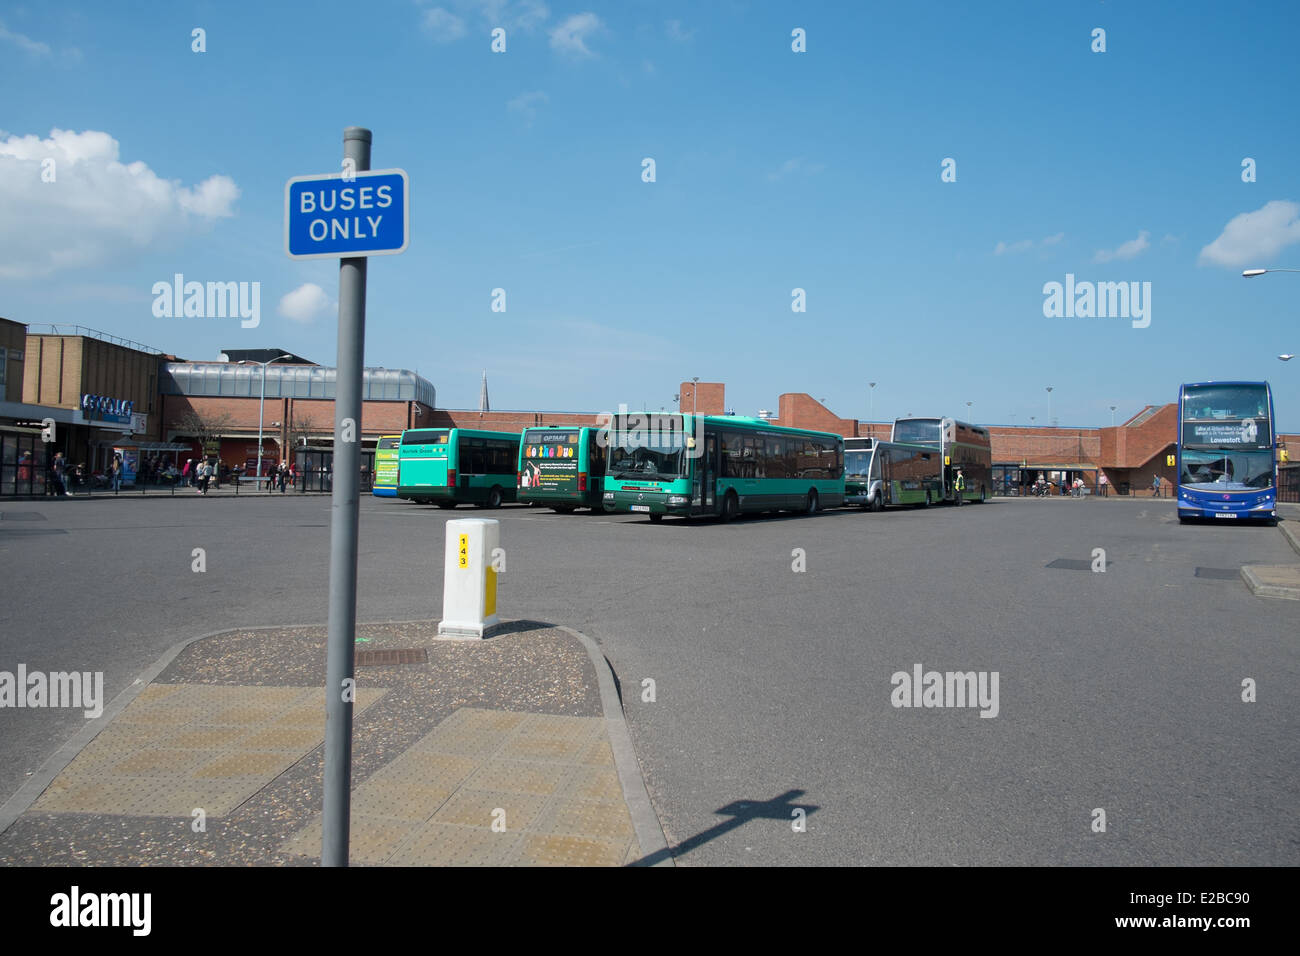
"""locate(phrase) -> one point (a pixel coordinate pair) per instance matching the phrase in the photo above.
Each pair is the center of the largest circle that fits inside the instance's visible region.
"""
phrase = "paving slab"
(495, 753)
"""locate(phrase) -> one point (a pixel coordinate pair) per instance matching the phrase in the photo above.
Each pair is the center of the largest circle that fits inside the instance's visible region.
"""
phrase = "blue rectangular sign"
(328, 217)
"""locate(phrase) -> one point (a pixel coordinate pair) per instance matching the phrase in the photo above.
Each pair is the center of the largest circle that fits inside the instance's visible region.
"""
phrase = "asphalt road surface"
(1118, 691)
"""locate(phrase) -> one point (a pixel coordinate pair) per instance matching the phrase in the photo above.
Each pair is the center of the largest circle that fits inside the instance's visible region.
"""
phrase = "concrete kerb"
(1291, 531)
(645, 821)
(1273, 580)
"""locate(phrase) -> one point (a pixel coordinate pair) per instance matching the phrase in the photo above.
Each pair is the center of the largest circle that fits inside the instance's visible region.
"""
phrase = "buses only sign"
(338, 217)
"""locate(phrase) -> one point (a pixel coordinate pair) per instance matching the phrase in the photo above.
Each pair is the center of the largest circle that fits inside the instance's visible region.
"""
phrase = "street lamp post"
(1049, 404)
(871, 407)
(261, 408)
(694, 392)
(1112, 416)
(1251, 274)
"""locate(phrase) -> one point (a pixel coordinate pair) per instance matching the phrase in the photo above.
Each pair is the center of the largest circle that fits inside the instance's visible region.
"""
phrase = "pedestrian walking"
(59, 471)
(283, 476)
(1155, 485)
(115, 473)
(186, 472)
(1104, 482)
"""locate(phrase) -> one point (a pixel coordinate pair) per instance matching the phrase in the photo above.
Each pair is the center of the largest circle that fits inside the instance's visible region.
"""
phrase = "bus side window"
(774, 459)
(730, 455)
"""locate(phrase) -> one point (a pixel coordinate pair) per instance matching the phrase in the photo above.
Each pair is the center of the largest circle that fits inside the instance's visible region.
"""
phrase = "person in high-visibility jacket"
(961, 480)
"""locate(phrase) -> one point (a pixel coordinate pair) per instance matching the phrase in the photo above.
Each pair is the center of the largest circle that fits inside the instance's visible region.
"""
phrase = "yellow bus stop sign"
(1169, 460)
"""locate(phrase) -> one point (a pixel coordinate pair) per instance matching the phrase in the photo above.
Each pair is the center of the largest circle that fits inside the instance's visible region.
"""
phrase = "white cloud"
(677, 32)
(1254, 238)
(796, 165)
(34, 47)
(570, 37)
(447, 21)
(443, 25)
(525, 104)
(96, 208)
(1024, 245)
(1126, 250)
(306, 304)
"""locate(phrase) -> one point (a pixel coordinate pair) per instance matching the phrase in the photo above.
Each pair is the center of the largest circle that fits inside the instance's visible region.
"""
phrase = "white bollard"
(469, 584)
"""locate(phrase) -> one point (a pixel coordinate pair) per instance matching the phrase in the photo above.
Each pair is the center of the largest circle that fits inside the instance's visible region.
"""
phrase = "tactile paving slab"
(178, 747)
(492, 788)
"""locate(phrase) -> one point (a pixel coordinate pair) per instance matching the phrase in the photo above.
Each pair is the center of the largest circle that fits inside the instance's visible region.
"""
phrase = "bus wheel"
(494, 498)
(984, 494)
(927, 500)
(655, 518)
(730, 507)
(811, 507)
(879, 503)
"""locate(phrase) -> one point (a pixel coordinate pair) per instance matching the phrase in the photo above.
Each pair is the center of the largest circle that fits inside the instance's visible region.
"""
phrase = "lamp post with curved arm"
(261, 408)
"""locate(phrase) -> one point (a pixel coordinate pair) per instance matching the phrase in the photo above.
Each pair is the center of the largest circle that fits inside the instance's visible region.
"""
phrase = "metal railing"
(90, 333)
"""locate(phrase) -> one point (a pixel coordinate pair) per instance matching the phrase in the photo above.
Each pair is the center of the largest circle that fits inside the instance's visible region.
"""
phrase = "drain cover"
(1075, 564)
(380, 658)
(1219, 574)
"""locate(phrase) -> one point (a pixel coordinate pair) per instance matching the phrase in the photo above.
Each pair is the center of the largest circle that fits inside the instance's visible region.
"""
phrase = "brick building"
(99, 391)
(214, 408)
(179, 409)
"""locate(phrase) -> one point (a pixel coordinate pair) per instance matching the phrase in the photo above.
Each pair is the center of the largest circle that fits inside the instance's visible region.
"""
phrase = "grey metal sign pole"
(345, 508)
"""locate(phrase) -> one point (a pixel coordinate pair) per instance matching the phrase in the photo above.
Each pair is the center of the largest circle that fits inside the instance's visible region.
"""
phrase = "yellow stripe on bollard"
(490, 597)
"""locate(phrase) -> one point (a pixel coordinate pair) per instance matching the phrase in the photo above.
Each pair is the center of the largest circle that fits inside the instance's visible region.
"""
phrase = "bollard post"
(469, 583)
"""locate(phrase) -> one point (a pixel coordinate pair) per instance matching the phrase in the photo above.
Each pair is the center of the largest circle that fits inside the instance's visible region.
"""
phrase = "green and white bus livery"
(448, 466)
(691, 465)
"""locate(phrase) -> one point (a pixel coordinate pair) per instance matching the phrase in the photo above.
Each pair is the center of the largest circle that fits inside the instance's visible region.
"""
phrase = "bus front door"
(706, 477)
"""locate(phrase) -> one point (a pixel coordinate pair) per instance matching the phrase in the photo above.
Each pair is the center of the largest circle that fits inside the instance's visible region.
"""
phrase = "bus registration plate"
(640, 507)
(1223, 514)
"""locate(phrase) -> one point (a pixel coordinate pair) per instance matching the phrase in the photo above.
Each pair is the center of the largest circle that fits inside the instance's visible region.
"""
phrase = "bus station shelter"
(1016, 478)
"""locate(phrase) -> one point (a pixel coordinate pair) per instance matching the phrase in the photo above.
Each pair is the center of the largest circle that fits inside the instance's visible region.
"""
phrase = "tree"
(301, 428)
(206, 429)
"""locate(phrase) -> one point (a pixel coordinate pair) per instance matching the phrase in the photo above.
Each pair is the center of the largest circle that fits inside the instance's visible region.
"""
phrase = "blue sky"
(775, 170)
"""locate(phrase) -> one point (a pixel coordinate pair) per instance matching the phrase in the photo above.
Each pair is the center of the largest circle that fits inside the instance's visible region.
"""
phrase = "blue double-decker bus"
(1227, 452)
